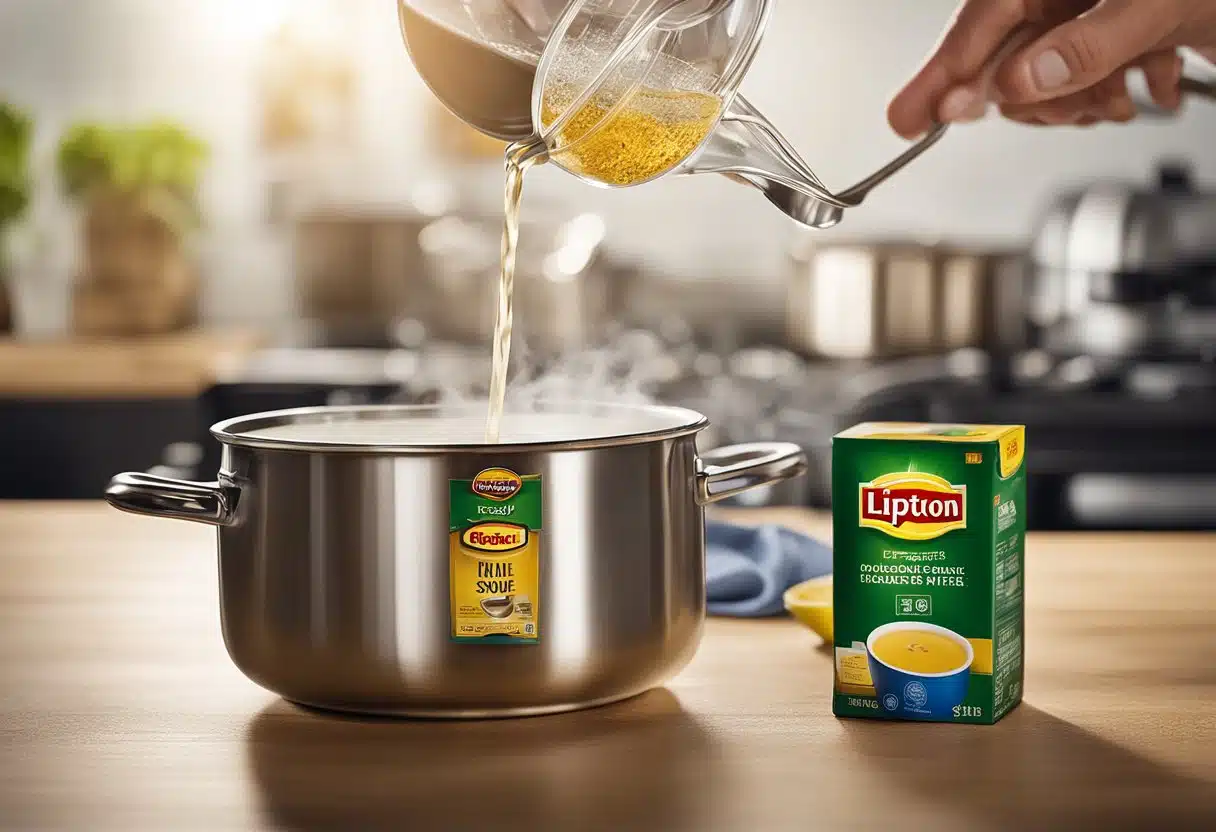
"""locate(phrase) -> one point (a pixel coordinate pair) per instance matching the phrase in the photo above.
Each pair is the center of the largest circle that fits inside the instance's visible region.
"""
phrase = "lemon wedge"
(811, 603)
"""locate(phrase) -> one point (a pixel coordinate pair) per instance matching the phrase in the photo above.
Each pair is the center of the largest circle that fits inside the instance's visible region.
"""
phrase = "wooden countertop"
(119, 710)
(177, 365)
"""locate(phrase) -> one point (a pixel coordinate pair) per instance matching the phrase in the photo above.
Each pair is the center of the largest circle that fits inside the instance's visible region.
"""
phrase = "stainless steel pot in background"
(566, 285)
(334, 559)
(360, 266)
(985, 299)
(862, 301)
(869, 300)
(435, 262)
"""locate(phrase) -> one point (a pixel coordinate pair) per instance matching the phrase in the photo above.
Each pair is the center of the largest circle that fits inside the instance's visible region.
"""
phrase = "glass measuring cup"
(628, 90)
(581, 74)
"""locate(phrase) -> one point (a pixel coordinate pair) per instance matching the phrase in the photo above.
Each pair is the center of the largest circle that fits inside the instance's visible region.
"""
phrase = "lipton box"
(929, 530)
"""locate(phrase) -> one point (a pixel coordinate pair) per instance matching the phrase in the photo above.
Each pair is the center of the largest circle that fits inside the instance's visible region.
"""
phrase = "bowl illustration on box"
(919, 670)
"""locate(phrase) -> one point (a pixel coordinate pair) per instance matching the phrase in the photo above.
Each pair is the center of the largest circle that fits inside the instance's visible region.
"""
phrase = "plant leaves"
(16, 136)
(159, 155)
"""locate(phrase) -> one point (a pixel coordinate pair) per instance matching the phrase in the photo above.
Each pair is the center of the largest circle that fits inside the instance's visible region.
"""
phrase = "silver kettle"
(1125, 268)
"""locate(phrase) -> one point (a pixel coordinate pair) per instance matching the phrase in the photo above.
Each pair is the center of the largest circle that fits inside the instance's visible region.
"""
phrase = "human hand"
(1067, 65)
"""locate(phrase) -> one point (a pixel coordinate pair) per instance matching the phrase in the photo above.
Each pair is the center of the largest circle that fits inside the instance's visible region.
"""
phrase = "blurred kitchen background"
(287, 218)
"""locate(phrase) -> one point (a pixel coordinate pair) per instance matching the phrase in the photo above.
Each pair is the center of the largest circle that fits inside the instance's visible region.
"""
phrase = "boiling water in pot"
(442, 428)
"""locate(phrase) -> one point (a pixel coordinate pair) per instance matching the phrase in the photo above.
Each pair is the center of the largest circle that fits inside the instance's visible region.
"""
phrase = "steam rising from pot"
(630, 368)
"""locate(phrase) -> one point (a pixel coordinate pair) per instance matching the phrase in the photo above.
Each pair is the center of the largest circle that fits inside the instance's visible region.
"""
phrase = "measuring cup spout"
(747, 148)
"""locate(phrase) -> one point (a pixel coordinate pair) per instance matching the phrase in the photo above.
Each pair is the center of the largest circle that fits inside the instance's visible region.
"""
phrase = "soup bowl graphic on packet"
(920, 670)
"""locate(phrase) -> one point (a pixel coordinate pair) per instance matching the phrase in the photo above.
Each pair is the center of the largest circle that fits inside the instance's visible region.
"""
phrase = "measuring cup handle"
(1189, 85)
(858, 192)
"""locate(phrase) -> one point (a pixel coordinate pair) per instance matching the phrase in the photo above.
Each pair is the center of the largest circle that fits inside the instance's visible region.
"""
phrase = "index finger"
(978, 29)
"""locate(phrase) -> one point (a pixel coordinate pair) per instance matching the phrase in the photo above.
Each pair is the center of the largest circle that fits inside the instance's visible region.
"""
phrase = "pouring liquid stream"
(520, 157)
(628, 132)
(648, 137)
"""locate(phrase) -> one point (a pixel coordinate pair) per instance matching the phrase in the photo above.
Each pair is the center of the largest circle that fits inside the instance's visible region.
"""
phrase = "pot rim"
(234, 432)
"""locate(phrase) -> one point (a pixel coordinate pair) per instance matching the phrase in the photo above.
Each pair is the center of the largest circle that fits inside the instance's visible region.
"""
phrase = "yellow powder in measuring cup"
(650, 135)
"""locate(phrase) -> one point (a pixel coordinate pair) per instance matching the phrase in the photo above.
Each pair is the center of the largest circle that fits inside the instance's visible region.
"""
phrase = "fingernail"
(960, 104)
(1050, 71)
(971, 116)
(1123, 109)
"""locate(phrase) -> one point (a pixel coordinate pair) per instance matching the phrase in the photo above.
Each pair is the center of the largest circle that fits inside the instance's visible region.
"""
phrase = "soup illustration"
(920, 670)
(920, 651)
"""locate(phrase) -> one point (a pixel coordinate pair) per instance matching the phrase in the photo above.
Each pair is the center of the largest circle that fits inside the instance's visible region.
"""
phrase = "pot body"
(334, 570)
(335, 587)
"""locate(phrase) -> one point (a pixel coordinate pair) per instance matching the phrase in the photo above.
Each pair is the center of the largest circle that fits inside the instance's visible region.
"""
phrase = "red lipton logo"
(912, 506)
(497, 484)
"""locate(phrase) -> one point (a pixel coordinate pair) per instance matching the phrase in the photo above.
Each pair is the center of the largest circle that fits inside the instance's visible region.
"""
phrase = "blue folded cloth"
(747, 569)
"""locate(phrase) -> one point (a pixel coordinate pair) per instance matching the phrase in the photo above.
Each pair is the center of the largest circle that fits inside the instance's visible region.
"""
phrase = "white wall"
(824, 76)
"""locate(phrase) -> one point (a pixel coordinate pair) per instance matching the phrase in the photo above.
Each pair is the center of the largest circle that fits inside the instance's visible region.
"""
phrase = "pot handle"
(200, 502)
(739, 468)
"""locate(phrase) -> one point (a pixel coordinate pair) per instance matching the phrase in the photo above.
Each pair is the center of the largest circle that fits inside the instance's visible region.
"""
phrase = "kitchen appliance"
(490, 62)
(334, 551)
(1127, 271)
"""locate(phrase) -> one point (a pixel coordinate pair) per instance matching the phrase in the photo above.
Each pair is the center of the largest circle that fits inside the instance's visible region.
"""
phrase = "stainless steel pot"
(334, 558)
(904, 299)
(890, 290)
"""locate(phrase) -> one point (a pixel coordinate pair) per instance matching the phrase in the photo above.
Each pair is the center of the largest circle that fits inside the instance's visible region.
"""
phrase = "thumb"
(1084, 51)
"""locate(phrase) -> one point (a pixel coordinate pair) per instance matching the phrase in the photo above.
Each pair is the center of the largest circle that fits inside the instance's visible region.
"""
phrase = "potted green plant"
(16, 132)
(138, 190)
